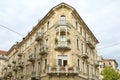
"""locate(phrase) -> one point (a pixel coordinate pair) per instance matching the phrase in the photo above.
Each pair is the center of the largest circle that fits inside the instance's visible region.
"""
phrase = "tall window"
(81, 30)
(46, 42)
(62, 19)
(34, 51)
(77, 44)
(45, 64)
(76, 25)
(78, 62)
(82, 47)
(62, 36)
(48, 25)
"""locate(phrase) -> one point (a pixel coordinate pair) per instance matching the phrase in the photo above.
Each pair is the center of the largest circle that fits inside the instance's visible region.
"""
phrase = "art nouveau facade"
(59, 47)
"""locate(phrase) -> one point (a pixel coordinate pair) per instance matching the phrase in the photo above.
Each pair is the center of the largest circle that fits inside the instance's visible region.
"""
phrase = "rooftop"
(3, 52)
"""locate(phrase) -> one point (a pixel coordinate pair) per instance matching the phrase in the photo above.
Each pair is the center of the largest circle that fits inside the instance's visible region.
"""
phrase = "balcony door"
(62, 60)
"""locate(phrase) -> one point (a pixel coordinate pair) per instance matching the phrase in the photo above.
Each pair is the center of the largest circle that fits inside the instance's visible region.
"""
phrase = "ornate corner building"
(59, 47)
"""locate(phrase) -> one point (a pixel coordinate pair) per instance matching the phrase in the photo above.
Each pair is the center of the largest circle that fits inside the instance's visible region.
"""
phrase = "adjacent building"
(3, 59)
(103, 63)
(59, 47)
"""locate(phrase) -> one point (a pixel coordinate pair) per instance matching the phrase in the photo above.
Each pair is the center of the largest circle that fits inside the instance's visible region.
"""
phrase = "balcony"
(62, 70)
(9, 74)
(62, 45)
(85, 56)
(96, 64)
(63, 23)
(32, 58)
(43, 50)
(14, 68)
(39, 36)
(19, 54)
(89, 43)
(35, 76)
(21, 64)
(9, 65)
(14, 62)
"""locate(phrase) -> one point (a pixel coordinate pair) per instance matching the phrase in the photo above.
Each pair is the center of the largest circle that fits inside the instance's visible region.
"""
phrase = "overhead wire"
(116, 44)
(112, 45)
(12, 30)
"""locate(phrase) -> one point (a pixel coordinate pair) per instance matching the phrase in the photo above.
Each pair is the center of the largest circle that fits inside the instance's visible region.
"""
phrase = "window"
(78, 62)
(35, 51)
(76, 25)
(62, 36)
(80, 30)
(46, 42)
(62, 19)
(45, 64)
(77, 44)
(109, 63)
(42, 30)
(38, 67)
(83, 66)
(82, 47)
(62, 60)
(48, 25)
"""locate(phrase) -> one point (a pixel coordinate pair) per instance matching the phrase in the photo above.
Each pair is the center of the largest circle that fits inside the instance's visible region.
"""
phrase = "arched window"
(62, 18)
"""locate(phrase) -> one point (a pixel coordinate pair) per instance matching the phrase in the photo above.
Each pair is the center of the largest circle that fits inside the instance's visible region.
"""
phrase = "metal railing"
(62, 70)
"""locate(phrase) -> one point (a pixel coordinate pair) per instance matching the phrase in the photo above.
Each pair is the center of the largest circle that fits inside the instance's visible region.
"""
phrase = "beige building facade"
(59, 47)
(3, 59)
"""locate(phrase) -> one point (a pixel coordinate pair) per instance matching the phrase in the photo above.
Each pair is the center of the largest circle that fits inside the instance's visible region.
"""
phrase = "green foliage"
(68, 40)
(110, 74)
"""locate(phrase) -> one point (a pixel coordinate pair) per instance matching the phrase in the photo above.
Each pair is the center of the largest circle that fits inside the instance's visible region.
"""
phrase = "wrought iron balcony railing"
(21, 64)
(35, 76)
(32, 58)
(62, 70)
(39, 36)
(85, 56)
(90, 44)
(43, 50)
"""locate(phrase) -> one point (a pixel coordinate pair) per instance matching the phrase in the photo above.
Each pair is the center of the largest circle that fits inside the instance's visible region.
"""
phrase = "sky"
(101, 16)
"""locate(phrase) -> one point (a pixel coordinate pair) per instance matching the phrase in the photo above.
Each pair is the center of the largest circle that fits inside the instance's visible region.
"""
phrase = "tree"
(110, 74)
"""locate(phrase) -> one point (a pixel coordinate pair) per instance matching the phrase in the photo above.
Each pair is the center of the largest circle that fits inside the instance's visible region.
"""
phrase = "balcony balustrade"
(39, 36)
(9, 74)
(43, 50)
(96, 64)
(62, 70)
(32, 58)
(62, 45)
(89, 43)
(85, 56)
(14, 68)
(21, 64)
(63, 23)
(35, 76)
